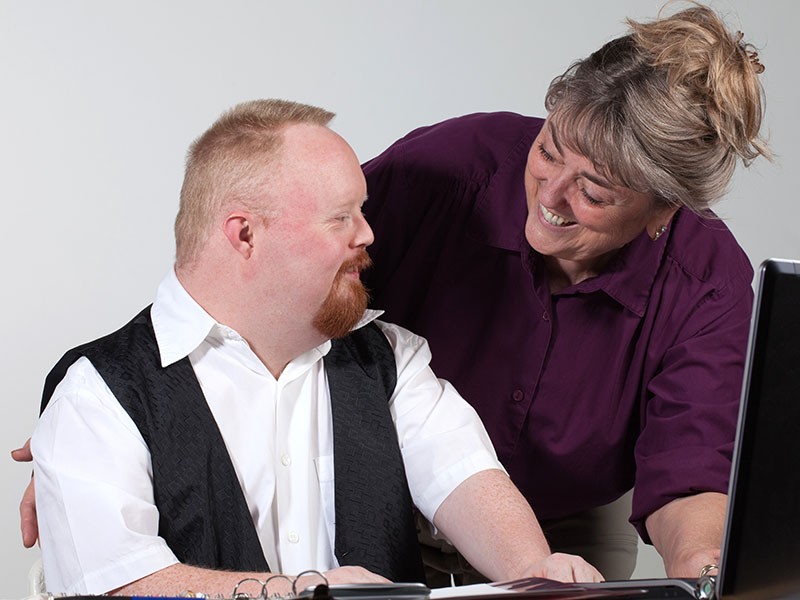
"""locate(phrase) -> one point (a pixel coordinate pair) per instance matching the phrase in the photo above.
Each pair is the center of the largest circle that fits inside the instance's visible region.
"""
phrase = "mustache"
(360, 262)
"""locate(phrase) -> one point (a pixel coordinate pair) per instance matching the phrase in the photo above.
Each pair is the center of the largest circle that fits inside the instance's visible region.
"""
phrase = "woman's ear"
(662, 217)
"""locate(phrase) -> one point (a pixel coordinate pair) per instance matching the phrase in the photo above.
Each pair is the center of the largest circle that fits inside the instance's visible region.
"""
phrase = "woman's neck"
(563, 273)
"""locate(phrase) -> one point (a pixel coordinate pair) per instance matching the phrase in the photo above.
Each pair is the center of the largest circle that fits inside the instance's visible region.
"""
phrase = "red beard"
(346, 301)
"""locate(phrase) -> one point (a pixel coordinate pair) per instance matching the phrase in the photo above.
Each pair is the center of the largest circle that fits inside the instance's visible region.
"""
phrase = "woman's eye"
(589, 198)
(545, 154)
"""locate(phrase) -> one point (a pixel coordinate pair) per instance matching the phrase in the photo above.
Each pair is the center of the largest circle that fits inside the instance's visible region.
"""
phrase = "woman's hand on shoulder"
(27, 506)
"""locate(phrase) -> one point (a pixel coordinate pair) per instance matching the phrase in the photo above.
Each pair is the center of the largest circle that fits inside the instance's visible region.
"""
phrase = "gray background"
(100, 100)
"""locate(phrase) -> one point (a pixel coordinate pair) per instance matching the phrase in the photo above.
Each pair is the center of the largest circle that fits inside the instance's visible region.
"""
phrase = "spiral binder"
(308, 585)
(320, 588)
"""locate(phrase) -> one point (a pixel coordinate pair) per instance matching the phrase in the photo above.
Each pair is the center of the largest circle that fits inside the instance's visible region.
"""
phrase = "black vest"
(203, 514)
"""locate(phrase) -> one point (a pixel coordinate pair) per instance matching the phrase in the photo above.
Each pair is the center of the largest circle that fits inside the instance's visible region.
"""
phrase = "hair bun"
(714, 68)
(667, 109)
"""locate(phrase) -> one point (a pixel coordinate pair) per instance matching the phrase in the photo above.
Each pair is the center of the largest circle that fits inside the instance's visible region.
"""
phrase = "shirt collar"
(181, 324)
(628, 277)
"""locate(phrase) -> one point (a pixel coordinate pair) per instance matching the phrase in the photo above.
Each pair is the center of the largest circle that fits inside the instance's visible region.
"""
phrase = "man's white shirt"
(98, 522)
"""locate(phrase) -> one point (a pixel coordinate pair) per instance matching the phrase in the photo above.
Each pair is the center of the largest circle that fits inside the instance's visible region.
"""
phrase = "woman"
(576, 289)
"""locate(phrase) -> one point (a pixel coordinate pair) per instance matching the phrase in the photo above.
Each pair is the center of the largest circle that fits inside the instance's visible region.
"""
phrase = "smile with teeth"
(554, 219)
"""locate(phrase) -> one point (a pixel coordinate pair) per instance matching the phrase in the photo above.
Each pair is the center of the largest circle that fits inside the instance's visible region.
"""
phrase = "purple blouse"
(631, 378)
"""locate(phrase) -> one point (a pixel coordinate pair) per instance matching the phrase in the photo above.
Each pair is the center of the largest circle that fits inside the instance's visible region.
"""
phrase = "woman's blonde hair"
(667, 109)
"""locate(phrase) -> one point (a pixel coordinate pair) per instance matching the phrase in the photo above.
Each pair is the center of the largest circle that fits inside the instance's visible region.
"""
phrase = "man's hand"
(687, 532)
(565, 567)
(27, 507)
(352, 575)
(489, 521)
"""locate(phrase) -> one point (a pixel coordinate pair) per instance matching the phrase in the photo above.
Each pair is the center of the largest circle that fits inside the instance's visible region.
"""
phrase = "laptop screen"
(761, 550)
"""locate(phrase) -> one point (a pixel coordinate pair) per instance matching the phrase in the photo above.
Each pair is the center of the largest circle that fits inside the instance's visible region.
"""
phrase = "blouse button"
(518, 395)
(294, 537)
(545, 316)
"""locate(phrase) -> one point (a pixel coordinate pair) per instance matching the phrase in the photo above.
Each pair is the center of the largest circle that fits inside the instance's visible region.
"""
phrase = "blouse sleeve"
(419, 198)
(689, 415)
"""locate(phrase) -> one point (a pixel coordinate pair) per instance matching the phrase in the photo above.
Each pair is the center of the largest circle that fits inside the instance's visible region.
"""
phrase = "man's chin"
(338, 326)
(338, 316)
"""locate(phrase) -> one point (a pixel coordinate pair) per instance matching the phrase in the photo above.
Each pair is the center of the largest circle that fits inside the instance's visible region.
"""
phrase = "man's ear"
(239, 232)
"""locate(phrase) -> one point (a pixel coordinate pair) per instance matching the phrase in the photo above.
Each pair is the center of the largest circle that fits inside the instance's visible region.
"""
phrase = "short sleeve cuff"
(431, 496)
(662, 478)
(125, 569)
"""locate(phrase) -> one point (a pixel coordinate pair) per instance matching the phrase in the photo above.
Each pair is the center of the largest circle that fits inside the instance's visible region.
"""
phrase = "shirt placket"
(292, 535)
(536, 350)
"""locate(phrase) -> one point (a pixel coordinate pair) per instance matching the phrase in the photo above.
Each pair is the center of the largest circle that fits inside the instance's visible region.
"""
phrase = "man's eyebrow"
(348, 204)
(596, 179)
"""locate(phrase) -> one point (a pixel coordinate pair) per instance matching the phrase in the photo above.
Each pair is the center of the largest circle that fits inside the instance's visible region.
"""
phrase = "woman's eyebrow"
(602, 182)
(596, 179)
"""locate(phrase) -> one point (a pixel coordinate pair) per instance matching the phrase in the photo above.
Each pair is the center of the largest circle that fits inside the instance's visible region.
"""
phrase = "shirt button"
(545, 316)
(286, 460)
(293, 537)
(518, 395)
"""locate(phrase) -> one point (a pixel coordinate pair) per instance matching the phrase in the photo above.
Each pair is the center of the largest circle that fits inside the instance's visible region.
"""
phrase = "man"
(222, 434)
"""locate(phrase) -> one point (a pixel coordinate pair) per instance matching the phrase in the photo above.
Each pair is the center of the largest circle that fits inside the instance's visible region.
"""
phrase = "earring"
(659, 232)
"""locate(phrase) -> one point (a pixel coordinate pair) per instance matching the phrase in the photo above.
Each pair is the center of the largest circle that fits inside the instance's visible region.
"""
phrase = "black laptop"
(761, 543)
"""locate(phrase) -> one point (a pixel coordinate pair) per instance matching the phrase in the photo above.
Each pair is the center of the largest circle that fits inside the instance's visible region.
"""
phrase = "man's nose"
(364, 236)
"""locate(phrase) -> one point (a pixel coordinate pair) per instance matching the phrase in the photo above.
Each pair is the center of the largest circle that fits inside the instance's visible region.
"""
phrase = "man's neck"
(272, 331)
